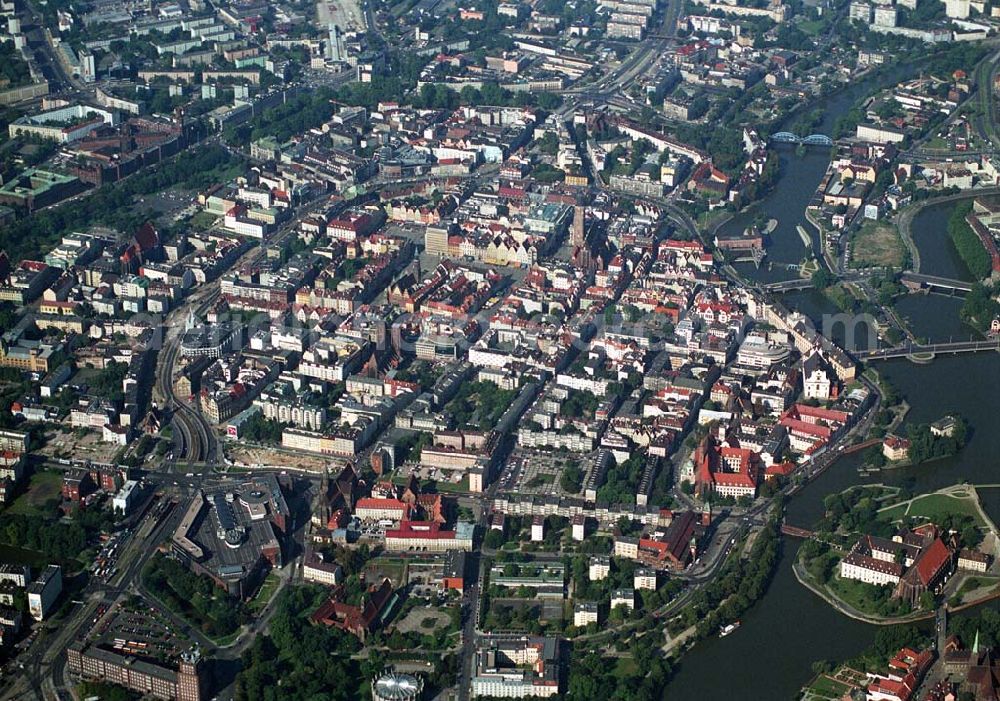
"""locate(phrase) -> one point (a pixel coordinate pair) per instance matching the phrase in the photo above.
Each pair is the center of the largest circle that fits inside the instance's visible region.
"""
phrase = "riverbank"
(960, 498)
(788, 651)
(904, 223)
(817, 567)
(969, 246)
(806, 580)
(824, 248)
(904, 219)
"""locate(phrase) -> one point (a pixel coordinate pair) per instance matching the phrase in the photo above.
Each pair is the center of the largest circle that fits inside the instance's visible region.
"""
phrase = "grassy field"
(42, 487)
(841, 296)
(856, 594)
(934, 507)
(264, 594)
(445, 487)
(626, 668)
(812, 27)
(877, 244)
(202, 220)
(424, 619)
(825, 688)
(393, 568)
(706, 220)
(938, 143)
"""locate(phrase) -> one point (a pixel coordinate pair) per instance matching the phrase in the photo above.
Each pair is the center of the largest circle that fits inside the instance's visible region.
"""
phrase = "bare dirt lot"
(244, 456)
(877, 245)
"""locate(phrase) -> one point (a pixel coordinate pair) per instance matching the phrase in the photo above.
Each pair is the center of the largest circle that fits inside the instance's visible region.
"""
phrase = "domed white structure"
(393, 686)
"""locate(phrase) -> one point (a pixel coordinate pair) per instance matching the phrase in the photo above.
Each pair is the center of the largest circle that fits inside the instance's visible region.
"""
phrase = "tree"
(967, 242)
(493, 539)
(549, 101)
(822, 278)
(980, 306)
(571, 479)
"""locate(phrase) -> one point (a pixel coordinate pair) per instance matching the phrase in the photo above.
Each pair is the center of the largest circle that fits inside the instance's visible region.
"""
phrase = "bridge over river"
(933, 281)
(926, 353)
(787, 137)
(917, 281)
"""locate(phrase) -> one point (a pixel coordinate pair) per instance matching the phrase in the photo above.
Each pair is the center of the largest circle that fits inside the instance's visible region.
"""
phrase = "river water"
(800, 175)
(937, 253)
(770, 656)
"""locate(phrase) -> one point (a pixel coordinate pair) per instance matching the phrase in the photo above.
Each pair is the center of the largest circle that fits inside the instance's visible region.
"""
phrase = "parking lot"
(536, 472)
(136, 628)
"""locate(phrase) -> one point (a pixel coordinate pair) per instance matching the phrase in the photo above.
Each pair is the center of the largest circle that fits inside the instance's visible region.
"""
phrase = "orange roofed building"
(903, 677)
(929, 572)
(724, 470)
(810, 428)
(360, 620)
(674, 548)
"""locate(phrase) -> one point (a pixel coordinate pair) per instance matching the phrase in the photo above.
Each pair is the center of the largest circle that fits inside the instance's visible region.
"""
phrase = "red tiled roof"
(146, 237)
(420, 529)
(674, 543)
(804, 410)
(784, 468)
(931, 561)
(798, 426)
(896, 442)
(377, 503)
(892, 688)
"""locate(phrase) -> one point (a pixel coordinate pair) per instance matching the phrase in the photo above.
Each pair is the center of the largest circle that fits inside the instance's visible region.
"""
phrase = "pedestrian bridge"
(787, 137)
(788, 285)
(795, 531)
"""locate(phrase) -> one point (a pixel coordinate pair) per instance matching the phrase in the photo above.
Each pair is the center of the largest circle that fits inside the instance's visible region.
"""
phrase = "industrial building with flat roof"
(34, 188)
(233, 532)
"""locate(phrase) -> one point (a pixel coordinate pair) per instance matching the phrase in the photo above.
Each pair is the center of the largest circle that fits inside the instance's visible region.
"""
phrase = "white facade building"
(44, 591)
(584, 614)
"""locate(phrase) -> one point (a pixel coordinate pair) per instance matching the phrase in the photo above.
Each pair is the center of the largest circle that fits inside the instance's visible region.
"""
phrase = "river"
(937, 253)
(800, 175)
(770, 656)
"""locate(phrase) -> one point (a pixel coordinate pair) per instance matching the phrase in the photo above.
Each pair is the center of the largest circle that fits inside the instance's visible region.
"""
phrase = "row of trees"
(483, 402)
(967, 243)
(854, 511)
(592, 677)
(622, 481)
(59, 541)
(262, 430)
(571, 479)
(13, 68)
(108, 382)
(43, 530)
(285, 121)
(739, 584)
